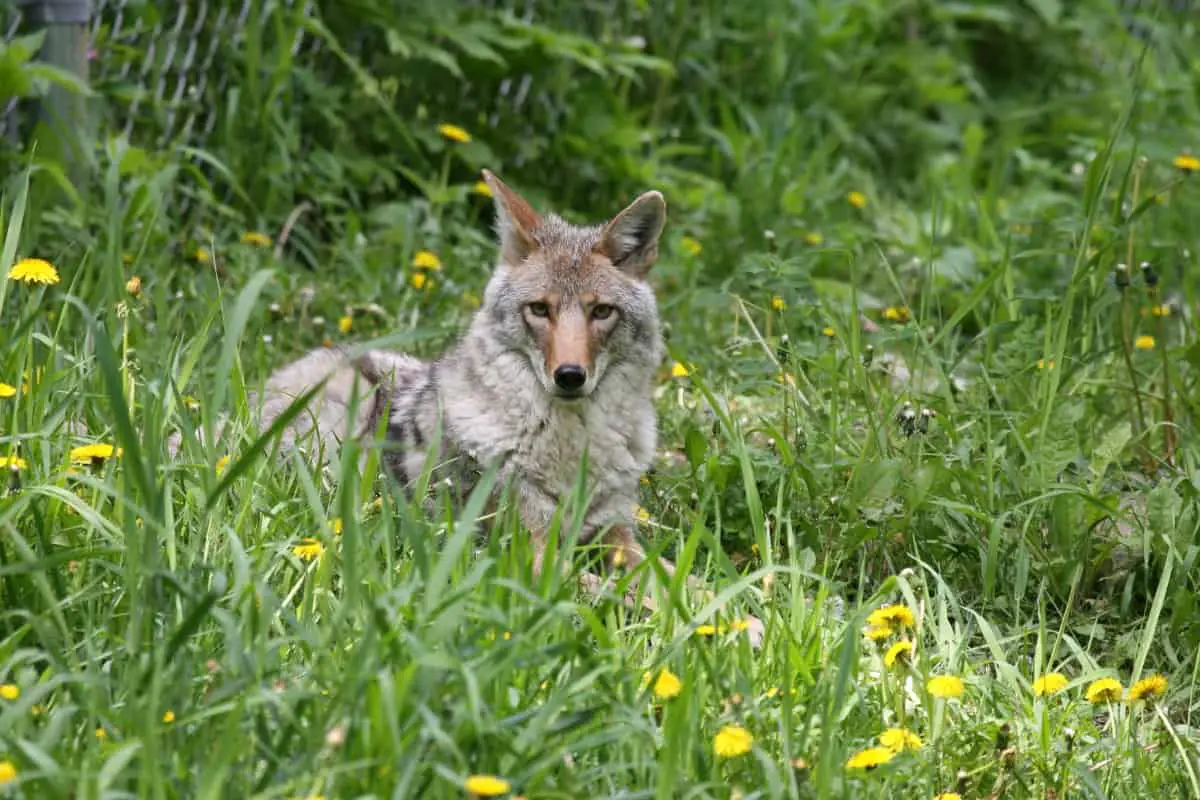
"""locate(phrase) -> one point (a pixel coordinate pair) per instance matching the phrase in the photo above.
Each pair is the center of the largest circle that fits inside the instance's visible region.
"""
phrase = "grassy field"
(929, 413)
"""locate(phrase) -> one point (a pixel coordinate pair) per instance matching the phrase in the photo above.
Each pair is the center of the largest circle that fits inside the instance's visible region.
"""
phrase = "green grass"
(934, 400)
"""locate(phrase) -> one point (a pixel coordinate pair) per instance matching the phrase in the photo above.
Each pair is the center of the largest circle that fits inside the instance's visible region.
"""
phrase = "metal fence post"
(64, 113)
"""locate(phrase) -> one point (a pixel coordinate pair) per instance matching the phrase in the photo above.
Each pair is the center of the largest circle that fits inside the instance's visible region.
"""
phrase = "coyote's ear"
(631, 238)
(515, 221)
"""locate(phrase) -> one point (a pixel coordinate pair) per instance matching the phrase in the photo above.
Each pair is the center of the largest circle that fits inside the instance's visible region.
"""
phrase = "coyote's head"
(575, 299)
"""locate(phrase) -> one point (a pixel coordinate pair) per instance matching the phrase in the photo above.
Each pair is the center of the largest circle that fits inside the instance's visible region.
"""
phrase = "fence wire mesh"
(160, 65)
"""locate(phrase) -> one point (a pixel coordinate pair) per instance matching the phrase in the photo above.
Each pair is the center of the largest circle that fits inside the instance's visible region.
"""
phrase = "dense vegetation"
(930, 288)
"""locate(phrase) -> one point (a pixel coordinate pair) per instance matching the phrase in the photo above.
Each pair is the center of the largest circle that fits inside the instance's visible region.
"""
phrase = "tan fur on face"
(569, 336)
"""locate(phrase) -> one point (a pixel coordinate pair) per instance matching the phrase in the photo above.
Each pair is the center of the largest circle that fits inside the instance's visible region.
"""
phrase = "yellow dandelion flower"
(828, 331)
(877, 633)
(667, 685)
(10, 691)
(678, 370)
(8, 772)
(739, 625)
(169, 717)
(101, 734)
(1187, 162)
(482, 188)
(1049, 684)
(418, 280)
(899, 739)
(1161, 310)
(345, 324)
(945, 686)
(897, 314)
(93, 452)
(1152, 686)
(857, 199)
(487, 786)
(424, 259)
(222, 463)
(1045, 364)
(893, 616)
(1144, 343)
(454, 133)
(948, 796)
(641, 514)
(203, 256)
(1104, 690)
(33, 270)
(707, 629)
(870, 758)
(7, 391)
(309, 549)
(133, 286)
(777, 303)
(732, 741)
(256, 239)
(691, 246)
(814, 239)
(901, 651)
(13, 462)
(337, 526)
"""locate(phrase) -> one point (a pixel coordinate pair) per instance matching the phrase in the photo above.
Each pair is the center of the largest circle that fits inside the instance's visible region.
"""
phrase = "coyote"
(558, 361)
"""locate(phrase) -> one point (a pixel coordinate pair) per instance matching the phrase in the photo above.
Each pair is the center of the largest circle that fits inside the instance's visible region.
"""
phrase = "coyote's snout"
(557, 363)
(568, 331)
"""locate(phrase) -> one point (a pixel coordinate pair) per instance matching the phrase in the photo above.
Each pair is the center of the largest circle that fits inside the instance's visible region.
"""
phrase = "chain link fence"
(159, 67)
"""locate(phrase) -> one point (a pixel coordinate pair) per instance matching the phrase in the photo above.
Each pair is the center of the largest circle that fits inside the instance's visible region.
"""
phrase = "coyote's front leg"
(625, 551)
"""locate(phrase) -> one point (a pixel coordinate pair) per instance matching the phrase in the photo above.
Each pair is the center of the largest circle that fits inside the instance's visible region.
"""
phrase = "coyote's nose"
(570, 377)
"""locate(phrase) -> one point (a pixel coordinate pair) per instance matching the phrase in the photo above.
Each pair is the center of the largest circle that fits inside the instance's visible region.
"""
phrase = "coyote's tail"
(351, 395)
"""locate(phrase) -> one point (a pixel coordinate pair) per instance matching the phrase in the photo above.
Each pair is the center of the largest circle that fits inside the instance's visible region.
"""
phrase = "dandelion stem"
(1138, 418)
(1168, 412)
(1139, 422)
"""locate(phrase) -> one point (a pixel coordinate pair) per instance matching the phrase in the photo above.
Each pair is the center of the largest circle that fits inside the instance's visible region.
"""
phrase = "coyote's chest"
(553, 449)
(549, 447)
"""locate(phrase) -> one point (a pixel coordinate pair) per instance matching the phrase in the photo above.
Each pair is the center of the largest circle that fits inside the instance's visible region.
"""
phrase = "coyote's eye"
(602, 311)
(539, 309)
